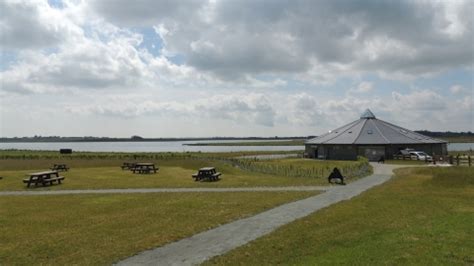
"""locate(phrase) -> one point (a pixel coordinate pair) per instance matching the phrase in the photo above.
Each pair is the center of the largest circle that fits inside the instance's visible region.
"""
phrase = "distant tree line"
(445, 133)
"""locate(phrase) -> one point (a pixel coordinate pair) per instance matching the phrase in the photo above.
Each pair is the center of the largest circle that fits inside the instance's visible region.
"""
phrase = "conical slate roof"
(370, 130)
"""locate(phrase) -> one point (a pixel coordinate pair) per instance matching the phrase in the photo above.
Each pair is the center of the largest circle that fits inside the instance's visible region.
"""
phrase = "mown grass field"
(85, 174)
(102, 170)
(102, 229)
(406, 162)
(422, 216)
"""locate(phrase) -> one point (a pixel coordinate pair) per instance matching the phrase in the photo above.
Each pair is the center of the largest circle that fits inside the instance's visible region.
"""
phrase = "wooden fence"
(458, 160)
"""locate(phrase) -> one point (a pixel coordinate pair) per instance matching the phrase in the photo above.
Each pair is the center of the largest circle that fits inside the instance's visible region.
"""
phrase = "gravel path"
(164, 190)
(205, 245)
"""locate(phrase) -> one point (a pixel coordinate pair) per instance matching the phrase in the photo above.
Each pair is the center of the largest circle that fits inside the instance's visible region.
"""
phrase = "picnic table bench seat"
(46, 180)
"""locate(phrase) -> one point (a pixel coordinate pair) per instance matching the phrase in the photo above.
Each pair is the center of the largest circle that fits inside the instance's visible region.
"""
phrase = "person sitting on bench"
(336, 177)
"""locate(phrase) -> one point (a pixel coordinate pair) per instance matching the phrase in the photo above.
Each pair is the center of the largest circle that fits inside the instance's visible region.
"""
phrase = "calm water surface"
(167, 146)
(155, 146)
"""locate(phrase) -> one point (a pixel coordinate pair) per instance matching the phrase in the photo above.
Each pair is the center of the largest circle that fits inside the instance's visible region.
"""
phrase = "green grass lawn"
(106, 173)
(422, 216)
(406, 162)
(88, 174)
(100, 230)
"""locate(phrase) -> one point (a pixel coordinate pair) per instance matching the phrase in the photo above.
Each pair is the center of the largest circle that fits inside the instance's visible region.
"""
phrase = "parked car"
(420, 155)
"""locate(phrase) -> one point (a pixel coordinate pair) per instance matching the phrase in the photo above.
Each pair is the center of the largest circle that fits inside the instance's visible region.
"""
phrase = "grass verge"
(406, 162)
(98, 230)
(422, 216)
(106, 173)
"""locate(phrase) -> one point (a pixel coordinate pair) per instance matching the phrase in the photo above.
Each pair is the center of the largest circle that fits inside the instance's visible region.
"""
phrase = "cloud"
(363, 87)
(233, 39)
(144, 12)
(33, 25)
(250, 109)
(423, 100)
(456, 89)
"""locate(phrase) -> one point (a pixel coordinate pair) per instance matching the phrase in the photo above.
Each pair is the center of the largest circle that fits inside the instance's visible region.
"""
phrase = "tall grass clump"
(304, 167)
(452, 176)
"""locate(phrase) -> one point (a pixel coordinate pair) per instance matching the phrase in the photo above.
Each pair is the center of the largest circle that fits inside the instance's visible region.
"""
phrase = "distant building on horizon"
(371, 138)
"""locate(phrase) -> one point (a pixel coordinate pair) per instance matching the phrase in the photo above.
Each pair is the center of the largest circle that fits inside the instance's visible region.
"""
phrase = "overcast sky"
(176, 68)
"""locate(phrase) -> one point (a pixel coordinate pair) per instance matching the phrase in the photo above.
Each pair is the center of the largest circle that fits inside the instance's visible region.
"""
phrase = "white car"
(421, 156)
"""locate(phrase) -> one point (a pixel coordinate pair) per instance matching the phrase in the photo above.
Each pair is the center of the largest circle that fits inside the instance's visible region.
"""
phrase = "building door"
(372, 153)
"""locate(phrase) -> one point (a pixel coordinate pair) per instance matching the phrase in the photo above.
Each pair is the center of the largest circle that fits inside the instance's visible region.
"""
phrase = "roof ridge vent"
(367, 114)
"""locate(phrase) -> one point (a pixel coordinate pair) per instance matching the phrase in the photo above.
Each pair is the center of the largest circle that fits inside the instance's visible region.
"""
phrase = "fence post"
(457, 160)
(451, 161)
(469, 160)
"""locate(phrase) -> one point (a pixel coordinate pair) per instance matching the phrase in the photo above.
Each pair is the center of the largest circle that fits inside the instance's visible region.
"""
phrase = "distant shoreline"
(293, 142)
(255, 141)
(74, 139)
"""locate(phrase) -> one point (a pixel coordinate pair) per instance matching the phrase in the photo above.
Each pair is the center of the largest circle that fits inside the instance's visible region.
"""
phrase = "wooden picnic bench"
(44, 178)
(144, 168)
(59, 167)
(207, 173)
(128, 166)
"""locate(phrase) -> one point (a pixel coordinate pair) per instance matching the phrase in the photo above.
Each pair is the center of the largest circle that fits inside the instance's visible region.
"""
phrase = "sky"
(185, 68)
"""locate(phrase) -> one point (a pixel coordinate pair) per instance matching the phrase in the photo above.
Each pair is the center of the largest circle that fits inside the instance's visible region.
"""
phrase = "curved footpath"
(217, 241)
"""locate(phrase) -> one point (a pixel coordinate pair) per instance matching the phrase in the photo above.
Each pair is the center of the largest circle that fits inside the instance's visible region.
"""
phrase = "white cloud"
(252, 67)
(34, 25)
(250, 109)
(363, 87)
(456, 89)
(423, 100)
(233, 39)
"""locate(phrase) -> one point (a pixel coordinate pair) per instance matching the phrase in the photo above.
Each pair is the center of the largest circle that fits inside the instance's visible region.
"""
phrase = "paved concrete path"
(163, 190)
(205, 245)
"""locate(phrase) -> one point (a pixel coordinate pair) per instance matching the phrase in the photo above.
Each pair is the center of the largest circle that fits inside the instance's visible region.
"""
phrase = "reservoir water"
(166, 146)
(152, 146)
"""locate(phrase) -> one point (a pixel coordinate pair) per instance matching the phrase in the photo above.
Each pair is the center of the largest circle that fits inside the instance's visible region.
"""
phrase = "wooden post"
(469, 160)
(457, 160)
(451, 159)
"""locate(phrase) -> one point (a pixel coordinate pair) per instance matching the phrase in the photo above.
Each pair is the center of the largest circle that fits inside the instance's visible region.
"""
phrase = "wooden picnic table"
(207, 173)
(59, 167)
(44, 178)
(128, 166)
(144, 168)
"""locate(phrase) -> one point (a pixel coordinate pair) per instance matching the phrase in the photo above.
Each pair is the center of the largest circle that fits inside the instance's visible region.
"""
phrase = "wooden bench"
(207, 173)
